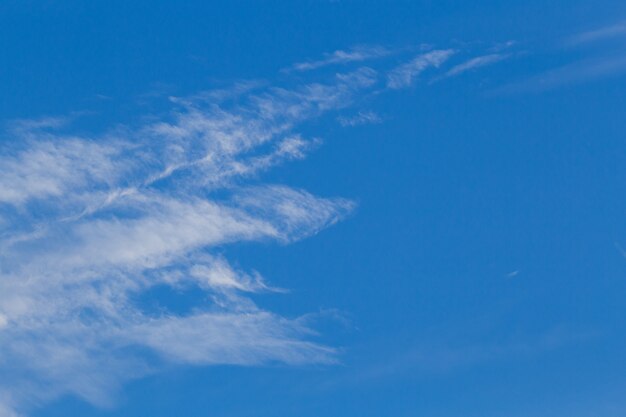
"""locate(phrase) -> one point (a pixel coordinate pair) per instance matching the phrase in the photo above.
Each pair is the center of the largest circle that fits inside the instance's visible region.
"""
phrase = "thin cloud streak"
(604, 33)
(357, 54)
(404, 75)
(577, 73)
(474, 63)
(361, 118)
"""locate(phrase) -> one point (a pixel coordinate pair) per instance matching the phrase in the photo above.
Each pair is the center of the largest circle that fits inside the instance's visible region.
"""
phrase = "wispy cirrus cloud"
(604, 33)
(587, 70)
(404, 75)
(474, 63)
(361, 118)
(357, 54)
(90, 223)
(596, 58)
(95, 221)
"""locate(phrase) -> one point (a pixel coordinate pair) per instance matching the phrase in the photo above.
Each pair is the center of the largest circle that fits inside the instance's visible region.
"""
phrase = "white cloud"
(219, 275)
(357, 54)
(231, 338)
(361, 118)
(473, 63)
(90, 224)
(596, 35)
(54, 167)
(404, 75)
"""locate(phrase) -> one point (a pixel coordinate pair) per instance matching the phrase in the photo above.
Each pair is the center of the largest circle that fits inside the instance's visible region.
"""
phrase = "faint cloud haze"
(607, 32)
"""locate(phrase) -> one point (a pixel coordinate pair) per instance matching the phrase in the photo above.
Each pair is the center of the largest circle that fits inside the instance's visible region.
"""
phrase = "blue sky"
(312, 208)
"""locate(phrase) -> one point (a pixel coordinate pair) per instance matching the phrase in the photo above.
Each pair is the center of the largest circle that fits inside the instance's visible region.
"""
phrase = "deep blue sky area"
(482, 271)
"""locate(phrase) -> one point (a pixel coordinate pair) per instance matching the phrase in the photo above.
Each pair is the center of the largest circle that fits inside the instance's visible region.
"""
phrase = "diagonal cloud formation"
(87, 225)
(90, 224)
(474, 63)
(404, 75)
(601, 34)
(357, 54)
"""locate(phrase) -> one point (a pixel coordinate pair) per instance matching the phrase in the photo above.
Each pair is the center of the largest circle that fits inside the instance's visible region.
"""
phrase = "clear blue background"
(456, 189)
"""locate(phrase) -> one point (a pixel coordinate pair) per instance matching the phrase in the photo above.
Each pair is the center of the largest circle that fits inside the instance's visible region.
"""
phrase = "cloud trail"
(474, 63)
(584, 71)
(597, 35)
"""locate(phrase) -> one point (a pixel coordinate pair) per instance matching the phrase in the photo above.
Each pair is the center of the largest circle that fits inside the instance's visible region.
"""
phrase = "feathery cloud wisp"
(357, 54)
(90, 224)
(473, 63)
(361, 118)
(403, 76)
